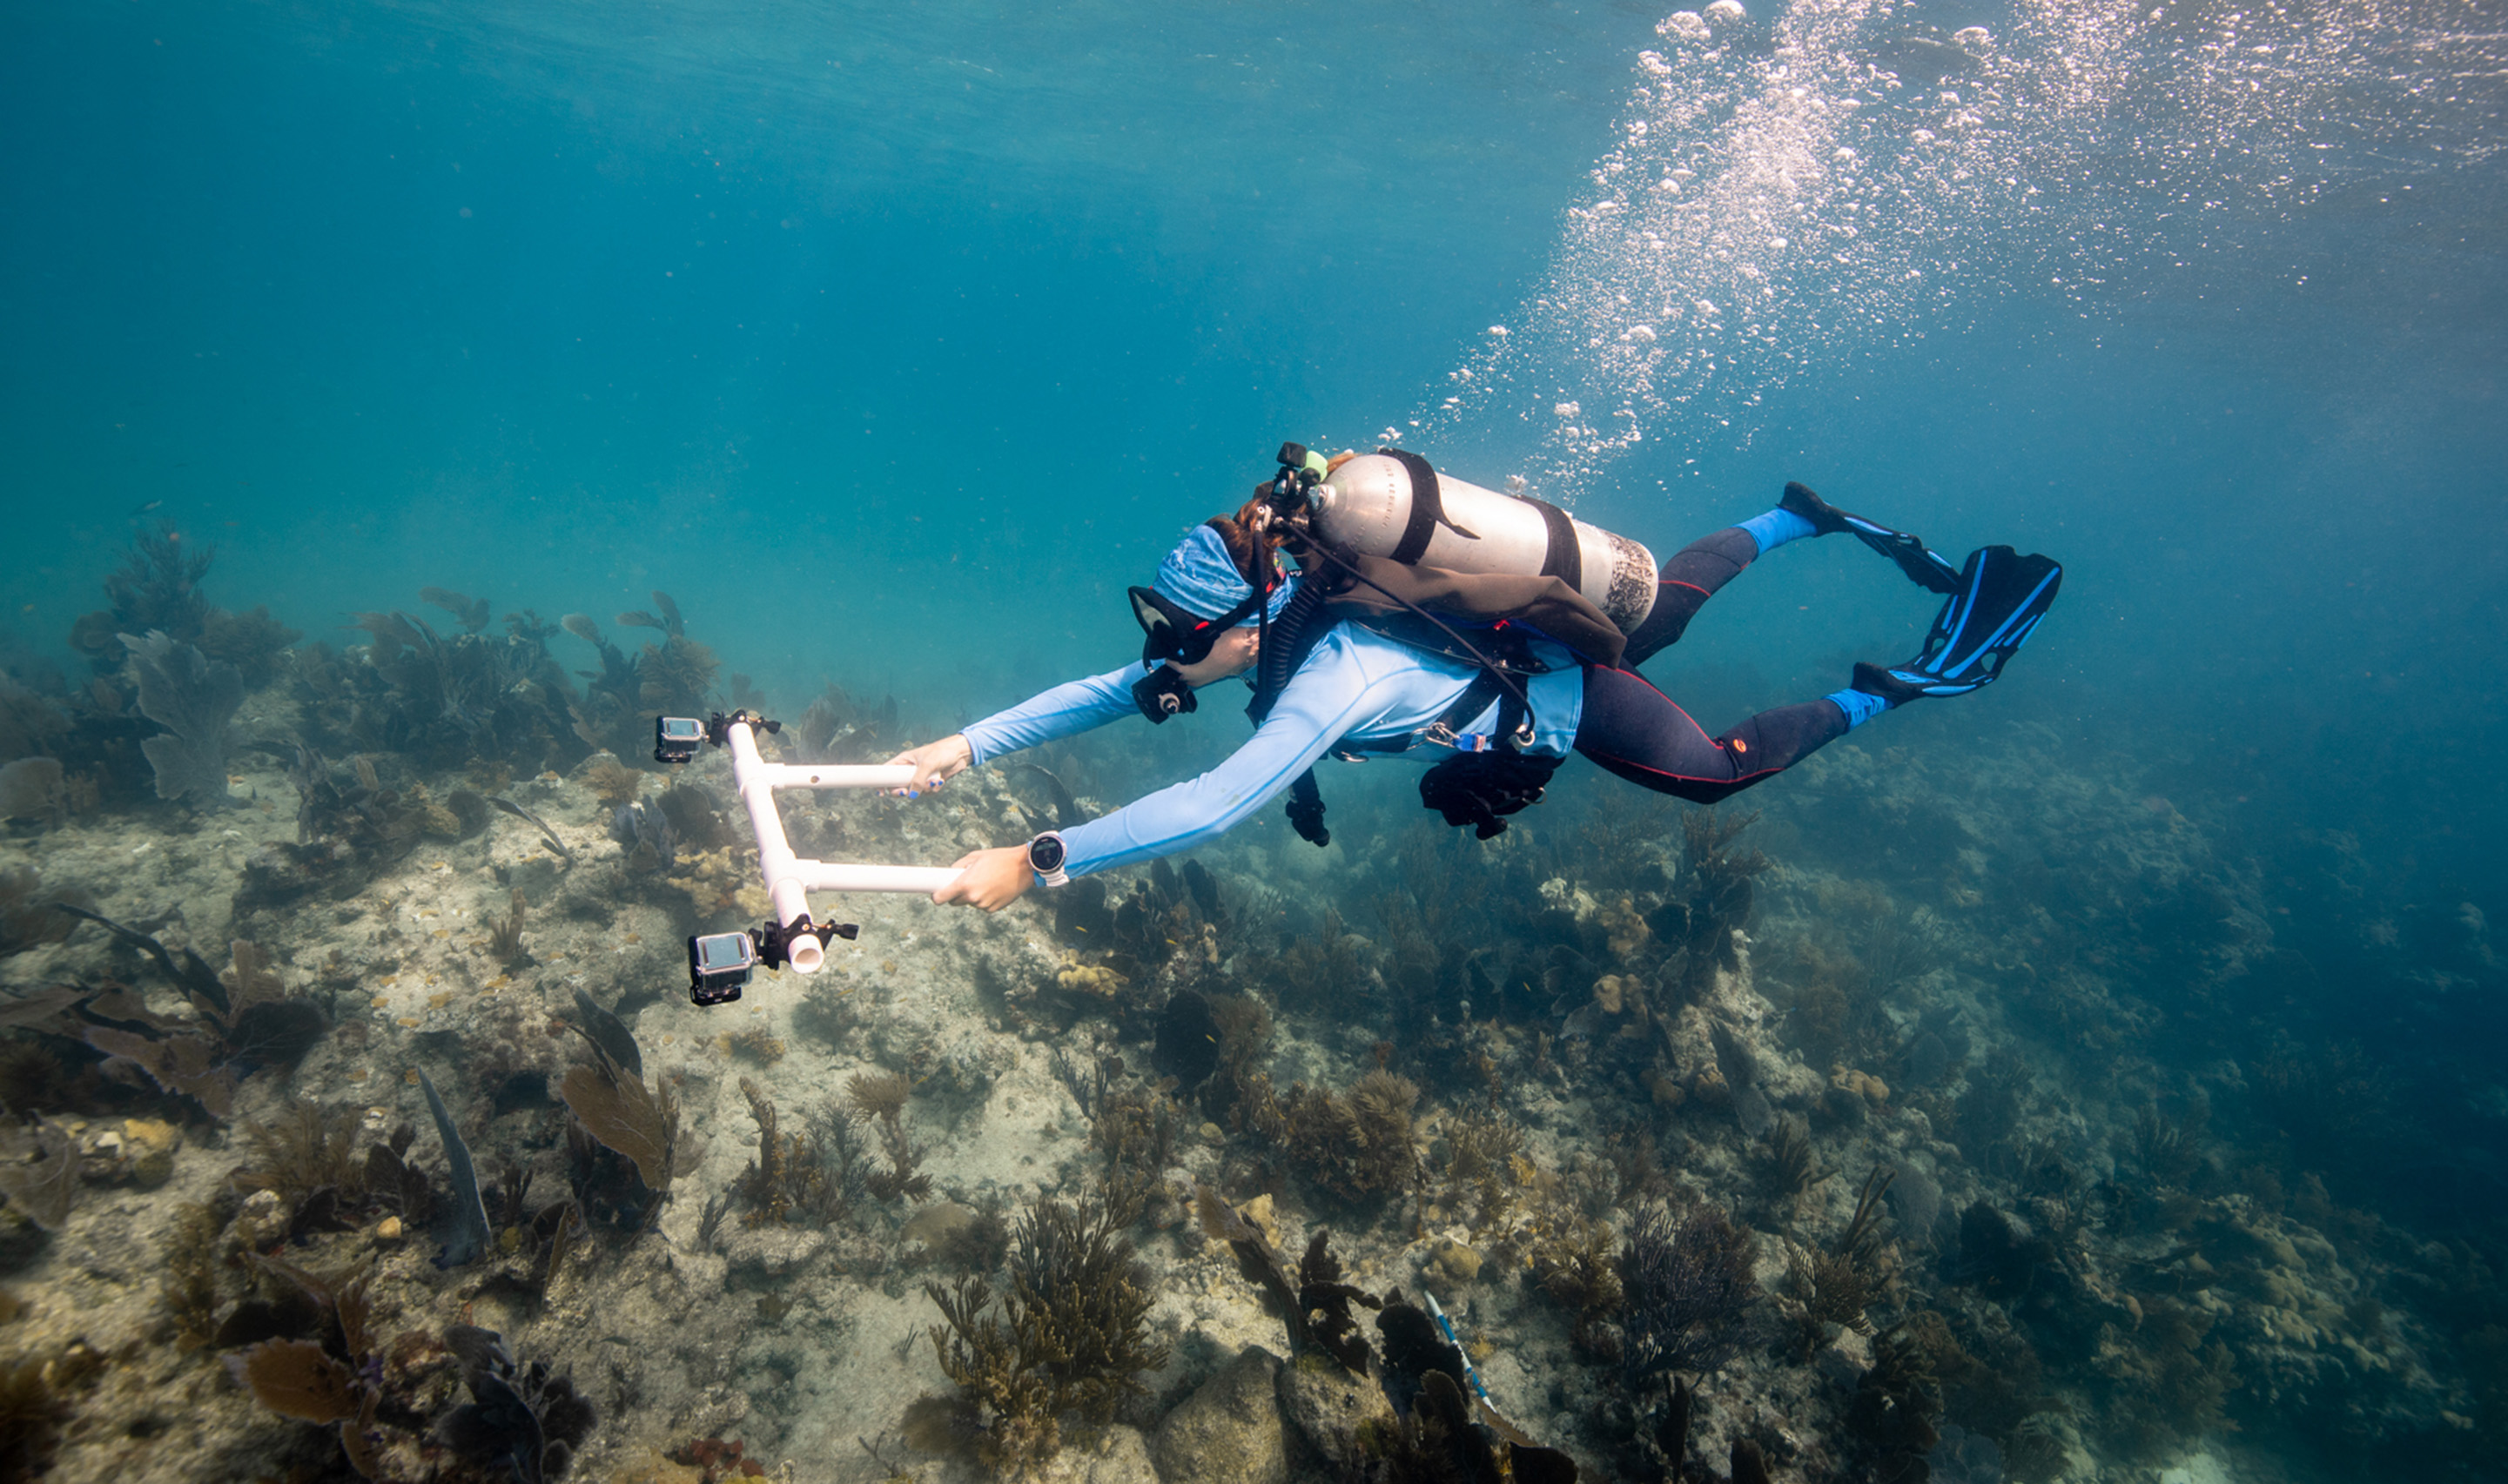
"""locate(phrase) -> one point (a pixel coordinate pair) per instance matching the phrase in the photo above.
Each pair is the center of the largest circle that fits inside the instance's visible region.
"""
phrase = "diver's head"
(1203, 590)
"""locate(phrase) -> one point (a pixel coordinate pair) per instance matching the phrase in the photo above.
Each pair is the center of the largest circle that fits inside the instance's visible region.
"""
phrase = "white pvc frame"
(788, 877)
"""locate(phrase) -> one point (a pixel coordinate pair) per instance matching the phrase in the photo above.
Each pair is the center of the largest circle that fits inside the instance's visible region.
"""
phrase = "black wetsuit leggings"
(1635, 732)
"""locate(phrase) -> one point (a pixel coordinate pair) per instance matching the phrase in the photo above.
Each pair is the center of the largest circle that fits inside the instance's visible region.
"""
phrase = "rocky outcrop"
(1231, 1430)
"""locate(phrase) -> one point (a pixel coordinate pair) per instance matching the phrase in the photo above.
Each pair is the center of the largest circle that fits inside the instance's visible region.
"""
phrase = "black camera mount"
(676, 738)
(719, 964)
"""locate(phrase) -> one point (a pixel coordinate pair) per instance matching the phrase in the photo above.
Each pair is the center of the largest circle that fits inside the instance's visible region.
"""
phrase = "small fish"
(145, 509)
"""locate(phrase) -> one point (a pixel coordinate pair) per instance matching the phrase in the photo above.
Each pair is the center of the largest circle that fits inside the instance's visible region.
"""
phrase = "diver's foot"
(1825, 519)
(1922, 566)
(1872, 680)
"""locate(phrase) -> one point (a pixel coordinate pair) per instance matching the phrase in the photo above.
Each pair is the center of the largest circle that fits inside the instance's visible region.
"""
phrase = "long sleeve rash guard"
(1355, 688)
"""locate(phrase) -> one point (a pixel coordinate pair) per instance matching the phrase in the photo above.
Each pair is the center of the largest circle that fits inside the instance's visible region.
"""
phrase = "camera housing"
(719, 965)
(675, 739)
(1163, 693)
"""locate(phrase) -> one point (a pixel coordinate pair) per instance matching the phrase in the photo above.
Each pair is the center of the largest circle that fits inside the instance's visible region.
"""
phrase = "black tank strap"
(1428, 508)
(1566, 558)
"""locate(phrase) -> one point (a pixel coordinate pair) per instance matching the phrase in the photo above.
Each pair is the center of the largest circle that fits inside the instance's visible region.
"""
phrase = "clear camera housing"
(675, 739)
(718, 967)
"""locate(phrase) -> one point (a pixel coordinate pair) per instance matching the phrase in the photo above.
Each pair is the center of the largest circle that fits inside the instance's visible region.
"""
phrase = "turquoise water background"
(894, 342)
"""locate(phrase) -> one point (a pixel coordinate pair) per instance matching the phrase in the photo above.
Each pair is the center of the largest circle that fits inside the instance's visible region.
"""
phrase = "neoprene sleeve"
(1065, 710)
(1357, 687)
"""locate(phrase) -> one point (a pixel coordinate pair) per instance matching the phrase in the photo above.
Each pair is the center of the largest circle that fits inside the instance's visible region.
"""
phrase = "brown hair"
(1238, 534)
(1246, 549)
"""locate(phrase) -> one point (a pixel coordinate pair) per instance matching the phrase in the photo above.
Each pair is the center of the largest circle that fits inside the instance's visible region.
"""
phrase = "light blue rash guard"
(1355, 688)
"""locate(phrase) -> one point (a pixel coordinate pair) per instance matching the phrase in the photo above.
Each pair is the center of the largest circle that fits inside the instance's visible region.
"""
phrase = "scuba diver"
(1423, 612)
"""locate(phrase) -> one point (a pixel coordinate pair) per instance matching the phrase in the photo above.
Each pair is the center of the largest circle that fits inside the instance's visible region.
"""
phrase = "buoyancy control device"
(1395, 537)
(1392, 504)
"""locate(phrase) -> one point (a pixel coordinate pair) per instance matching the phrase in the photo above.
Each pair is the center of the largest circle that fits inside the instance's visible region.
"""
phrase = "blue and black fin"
(2001, 597)
(1923, 566)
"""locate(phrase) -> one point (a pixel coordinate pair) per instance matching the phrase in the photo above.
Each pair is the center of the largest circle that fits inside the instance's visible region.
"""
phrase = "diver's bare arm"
(935, 763)
(991, 879)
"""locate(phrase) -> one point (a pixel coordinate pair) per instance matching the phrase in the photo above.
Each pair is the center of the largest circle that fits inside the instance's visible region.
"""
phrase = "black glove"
(1307, 810)
(1476, 787)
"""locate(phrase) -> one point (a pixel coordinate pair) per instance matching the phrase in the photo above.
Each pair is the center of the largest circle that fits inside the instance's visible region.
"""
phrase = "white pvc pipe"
(791, 775)
(775, 859)
(787, 877)
(829, 875)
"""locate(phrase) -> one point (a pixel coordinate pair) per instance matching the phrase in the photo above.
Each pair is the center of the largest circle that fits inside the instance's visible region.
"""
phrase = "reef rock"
(1231, 1430)
(1333, 1410)
(1121, 1457)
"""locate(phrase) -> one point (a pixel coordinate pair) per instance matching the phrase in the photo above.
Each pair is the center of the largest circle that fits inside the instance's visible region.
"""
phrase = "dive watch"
(1044, 856)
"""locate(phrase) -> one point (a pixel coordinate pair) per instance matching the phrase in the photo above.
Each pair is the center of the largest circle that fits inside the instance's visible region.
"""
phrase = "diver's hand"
(991, 879)
(1234, 654)
(933, 763)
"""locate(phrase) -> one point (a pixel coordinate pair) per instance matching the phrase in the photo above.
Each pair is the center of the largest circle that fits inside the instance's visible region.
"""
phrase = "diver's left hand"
(991, 879)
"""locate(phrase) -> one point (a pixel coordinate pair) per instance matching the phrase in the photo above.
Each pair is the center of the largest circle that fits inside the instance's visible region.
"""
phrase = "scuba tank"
(1390, 503)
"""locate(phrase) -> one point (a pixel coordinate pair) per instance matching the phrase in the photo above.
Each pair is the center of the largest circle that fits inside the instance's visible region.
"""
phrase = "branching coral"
(1837, 1286)
(610, 781)
(882, 1097)
(158, 587)
(675, 677)
(1576, 1263)
(250, 642)
(1791, 1165)
(1687, 1291)
(1136, 1126)
(816, 1178)
(1356, 1145)
(1065, 1342)
(1897, 1400)
(1485, 1168)
(307, 1150)
(1693, 928)
(505, 935)
(836, 729)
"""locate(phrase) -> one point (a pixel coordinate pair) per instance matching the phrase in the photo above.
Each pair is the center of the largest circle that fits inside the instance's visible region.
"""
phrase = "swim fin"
(2001, 597)
(1921, 565)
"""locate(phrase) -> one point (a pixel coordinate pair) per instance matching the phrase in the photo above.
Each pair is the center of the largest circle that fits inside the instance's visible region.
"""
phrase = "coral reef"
(1835, 1284)
(2134, 1182)
(881, 1099)
(30, 914)
(1064, 1344)
(193, 698)
(1687, 1291)
(243, 1019)
(618, 1109)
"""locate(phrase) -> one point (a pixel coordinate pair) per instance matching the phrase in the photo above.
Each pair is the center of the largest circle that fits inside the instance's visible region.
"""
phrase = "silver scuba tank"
(1392, 503)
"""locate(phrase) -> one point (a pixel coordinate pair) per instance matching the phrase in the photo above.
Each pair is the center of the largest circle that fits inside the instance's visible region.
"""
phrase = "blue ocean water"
(894, 342)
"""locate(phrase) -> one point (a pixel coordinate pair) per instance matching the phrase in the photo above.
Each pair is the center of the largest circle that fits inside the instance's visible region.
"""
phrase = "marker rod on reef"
(789, 877)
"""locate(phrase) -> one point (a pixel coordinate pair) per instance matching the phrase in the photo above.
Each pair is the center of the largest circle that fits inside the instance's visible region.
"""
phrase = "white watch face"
(1045, 854)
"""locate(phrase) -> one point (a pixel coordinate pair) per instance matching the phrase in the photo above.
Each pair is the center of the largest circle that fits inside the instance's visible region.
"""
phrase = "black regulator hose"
(1490, 667)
